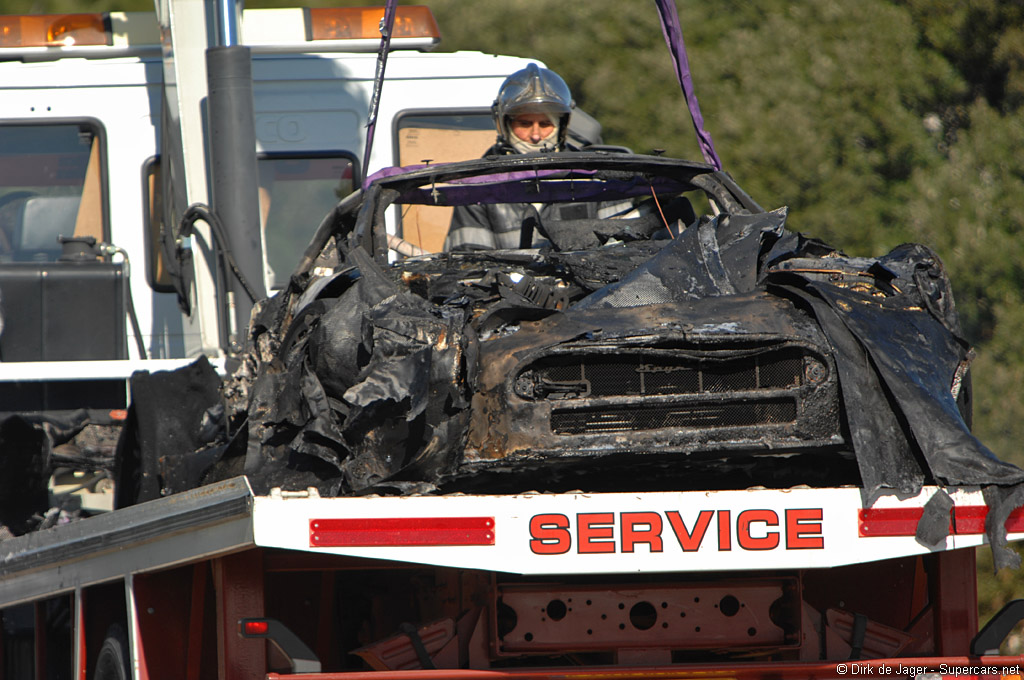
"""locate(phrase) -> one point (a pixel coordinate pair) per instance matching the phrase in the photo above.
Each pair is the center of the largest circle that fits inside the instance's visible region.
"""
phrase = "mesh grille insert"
(631, 374)
(656, 416)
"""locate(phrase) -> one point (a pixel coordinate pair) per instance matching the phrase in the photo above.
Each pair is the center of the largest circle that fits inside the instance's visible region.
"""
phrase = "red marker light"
(965, 520)
(254, 627)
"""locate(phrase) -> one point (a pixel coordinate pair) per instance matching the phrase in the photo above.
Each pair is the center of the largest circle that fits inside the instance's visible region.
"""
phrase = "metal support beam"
(238, 584)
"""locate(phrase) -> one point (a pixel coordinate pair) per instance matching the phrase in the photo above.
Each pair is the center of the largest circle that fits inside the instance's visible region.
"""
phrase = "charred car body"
(654, 350)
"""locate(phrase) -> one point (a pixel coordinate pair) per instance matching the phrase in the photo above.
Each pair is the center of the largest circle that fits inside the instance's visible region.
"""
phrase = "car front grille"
(597, 420)
(581, 375)
(665, 388)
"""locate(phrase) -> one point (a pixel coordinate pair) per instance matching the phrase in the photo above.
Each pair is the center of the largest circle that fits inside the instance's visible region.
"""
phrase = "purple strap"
(670, 28)
(518, 186)
(378, 80)
(391, 171)
(551, 191)
(484, 178)
(674, 38)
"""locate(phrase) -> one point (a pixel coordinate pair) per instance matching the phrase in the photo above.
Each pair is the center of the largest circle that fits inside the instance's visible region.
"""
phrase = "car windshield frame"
(360, 218)
(535, 178)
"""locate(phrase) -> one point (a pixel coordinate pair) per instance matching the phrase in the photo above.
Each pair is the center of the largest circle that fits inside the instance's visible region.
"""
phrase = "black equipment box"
(62, 311)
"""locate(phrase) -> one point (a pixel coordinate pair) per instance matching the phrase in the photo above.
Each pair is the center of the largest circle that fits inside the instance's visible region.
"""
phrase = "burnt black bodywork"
(656, 380)
(650, 351)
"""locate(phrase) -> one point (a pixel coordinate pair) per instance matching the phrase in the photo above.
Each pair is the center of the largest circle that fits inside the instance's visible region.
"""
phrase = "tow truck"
(650, 451)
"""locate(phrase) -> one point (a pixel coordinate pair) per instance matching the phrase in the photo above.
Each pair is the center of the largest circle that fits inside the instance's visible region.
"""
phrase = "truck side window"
(296, 192)
(438, 138)
(51, 185)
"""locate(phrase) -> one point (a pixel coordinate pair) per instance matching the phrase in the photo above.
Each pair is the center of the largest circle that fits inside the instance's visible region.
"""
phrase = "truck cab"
(84, 105)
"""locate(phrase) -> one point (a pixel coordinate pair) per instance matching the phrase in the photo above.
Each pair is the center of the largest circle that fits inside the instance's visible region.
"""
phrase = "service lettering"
(755, 529)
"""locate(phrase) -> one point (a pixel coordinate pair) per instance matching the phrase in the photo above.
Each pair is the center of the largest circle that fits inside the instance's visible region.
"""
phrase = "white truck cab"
(83, 100)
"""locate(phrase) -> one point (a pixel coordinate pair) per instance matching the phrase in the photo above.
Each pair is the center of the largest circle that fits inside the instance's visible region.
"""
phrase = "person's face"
(532, 127)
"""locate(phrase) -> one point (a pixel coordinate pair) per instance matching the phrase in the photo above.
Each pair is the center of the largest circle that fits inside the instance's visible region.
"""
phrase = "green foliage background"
(875, 121)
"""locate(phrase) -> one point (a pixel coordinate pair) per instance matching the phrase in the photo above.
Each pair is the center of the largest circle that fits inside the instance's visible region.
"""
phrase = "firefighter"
(531, 114)
(532, 111)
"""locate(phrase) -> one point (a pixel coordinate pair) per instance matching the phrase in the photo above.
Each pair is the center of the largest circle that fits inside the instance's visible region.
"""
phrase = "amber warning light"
(330, 23)
(54, 30)
(348, 29)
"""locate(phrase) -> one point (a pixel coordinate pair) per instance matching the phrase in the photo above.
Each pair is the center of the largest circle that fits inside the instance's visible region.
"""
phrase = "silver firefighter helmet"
(533, 90)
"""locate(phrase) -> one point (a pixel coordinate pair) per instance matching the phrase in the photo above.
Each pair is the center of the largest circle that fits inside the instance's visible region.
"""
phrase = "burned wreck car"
(564, 362)
(693, 342)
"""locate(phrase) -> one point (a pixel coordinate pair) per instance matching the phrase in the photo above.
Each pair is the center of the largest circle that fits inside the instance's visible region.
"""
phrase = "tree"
(983, 40)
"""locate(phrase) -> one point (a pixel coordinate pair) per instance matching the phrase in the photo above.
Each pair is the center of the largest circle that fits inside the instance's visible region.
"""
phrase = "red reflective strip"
(409, 531)
(889, 521)
(970, 519)
(1015, 522)
(966, 519)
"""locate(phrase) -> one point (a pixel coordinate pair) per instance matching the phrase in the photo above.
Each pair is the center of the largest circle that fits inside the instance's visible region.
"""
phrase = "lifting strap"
(670, 28)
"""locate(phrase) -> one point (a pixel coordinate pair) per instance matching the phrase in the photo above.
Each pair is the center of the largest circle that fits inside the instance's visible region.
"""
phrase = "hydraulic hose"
(109, 249)
(198, 211)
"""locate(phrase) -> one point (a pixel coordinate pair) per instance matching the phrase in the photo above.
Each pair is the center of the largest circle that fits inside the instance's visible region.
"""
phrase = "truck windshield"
(50, 186)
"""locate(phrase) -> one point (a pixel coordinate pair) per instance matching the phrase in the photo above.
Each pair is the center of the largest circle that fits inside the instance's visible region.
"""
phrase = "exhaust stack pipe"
(234, 194)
